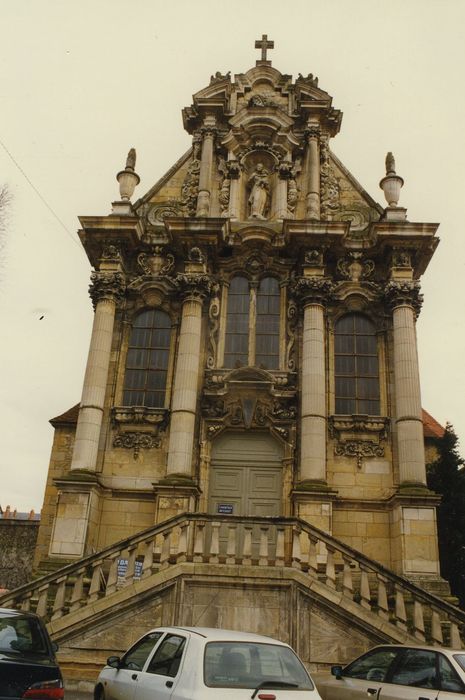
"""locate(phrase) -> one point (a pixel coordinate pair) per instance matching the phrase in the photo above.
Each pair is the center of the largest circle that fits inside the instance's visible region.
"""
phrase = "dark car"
(28, 667)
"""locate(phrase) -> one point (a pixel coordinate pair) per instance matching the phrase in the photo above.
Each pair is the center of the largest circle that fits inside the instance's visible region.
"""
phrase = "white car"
(197, 663)
(396, 672)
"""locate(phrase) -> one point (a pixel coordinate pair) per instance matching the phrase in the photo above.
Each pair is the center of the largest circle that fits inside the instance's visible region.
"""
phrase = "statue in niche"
(259, 182)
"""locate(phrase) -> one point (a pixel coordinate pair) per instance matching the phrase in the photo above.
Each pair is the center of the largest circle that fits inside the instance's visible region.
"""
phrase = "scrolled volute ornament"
(107, 285)
(404, 293)
(316, 290)
(195, 286)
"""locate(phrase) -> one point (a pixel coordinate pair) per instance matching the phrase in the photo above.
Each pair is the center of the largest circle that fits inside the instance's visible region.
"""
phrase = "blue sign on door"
(225, 508)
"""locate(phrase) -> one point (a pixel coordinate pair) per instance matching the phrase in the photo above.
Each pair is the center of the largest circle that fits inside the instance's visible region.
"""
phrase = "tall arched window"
(267, 326)
(147, 360)
(236, 352)
(252, 324)
(356, 366)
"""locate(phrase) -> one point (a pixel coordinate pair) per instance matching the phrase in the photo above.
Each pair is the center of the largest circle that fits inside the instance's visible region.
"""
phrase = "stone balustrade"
(232, 541)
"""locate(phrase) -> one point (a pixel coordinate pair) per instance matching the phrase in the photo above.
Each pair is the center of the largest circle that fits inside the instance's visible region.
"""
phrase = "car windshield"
(250, 664)
(21, 634)
(460, 658)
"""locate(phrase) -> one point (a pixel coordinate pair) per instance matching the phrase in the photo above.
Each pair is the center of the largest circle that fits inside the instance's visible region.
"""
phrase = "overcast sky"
(83, 81)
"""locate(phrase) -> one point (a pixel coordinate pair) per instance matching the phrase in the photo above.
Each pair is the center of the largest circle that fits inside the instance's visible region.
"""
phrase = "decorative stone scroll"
(107, 285)
(159, 212)
(354, 267)
(111, 252)
(213, 328)
(359, 449)
(292, 317)
(404, 293)
(190, 188)
(329, 186)
(136, 442)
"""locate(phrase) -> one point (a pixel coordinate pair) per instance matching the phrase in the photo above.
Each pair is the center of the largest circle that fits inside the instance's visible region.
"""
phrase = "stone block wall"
(17, 542)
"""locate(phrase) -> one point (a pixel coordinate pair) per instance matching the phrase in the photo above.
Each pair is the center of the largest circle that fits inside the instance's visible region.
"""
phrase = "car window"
(460, 658)
(137, 655)
(22, 634)
(417, 668)
(247, 665)
(450, 680)
(373, 666)
(167, 658)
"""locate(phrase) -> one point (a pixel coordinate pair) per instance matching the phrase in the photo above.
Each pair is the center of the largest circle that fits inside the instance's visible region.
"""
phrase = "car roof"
(448, 650)
(224, 635)
(9, 612)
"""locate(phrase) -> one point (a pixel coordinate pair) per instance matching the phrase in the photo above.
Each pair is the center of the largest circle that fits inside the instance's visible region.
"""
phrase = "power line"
(63, 225)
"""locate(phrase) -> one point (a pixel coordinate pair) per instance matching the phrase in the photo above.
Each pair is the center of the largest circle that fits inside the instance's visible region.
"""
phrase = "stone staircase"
(264, 553)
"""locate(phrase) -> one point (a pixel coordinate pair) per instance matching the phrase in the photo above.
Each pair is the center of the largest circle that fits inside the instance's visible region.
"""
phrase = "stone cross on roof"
(264, 45)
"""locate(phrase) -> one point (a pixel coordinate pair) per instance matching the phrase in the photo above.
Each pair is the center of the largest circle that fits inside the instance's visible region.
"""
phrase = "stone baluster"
(41, 609)
(382, 602)
(60, 595)
(181, 554)
(330, 568)
(247, 548)
(112, 579)
(165, 549)
(231, 546)
(26, 602)
(279, 557)
(131, 570)
(312, 556)
(401, 615)
(147, 567)
(312, 168)
(347, 581)
(215, 543)
(96, 581)
(263, 556)
(365, 593)
(296, 549)
(418, 621)
(455, 642)
(184, 402)
(199, 541)
(405, 301)
(436, 628)
(77, 595)
(208, 132)
(106, 290)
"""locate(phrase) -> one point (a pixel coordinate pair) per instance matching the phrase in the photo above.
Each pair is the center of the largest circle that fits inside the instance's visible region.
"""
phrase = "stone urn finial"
(391, 183)
(128, 178)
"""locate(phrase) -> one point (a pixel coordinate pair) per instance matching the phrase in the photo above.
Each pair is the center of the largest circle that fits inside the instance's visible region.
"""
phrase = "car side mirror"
(113, 661)
(336, 671)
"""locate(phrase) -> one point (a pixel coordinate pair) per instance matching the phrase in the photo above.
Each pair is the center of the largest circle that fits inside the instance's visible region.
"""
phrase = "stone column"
(405, 301)
(313, 292)
(186, 379)
(313, 173)
(234, 173)
(106, 289)
(284, 173)
(206, 167)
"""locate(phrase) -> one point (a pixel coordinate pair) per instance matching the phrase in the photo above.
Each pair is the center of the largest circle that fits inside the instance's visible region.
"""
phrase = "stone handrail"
(253, 541)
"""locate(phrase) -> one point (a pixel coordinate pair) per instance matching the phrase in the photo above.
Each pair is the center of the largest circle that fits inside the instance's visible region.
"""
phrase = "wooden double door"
(246, 475)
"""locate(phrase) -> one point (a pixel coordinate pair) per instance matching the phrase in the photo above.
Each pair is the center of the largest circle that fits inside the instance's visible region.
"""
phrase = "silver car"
(197, 663)
(397, 673)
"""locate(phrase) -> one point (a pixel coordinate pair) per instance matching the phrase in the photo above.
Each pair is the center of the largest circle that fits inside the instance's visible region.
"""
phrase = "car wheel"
(99, 693)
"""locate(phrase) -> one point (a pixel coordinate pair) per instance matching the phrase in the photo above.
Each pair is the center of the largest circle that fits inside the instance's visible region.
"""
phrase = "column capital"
(107, 285)
(403, 293)
(285, 169)
(195, 287)
(312, 131)
(313, 290)
(233, 169)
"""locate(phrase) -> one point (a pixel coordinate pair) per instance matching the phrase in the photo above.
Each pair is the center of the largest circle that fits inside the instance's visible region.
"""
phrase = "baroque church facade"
(253, 363)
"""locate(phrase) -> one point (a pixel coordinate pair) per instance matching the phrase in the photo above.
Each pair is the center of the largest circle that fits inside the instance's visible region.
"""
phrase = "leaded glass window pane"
(267, 325)
(356, 366)
(237, 324)
(147, 360)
